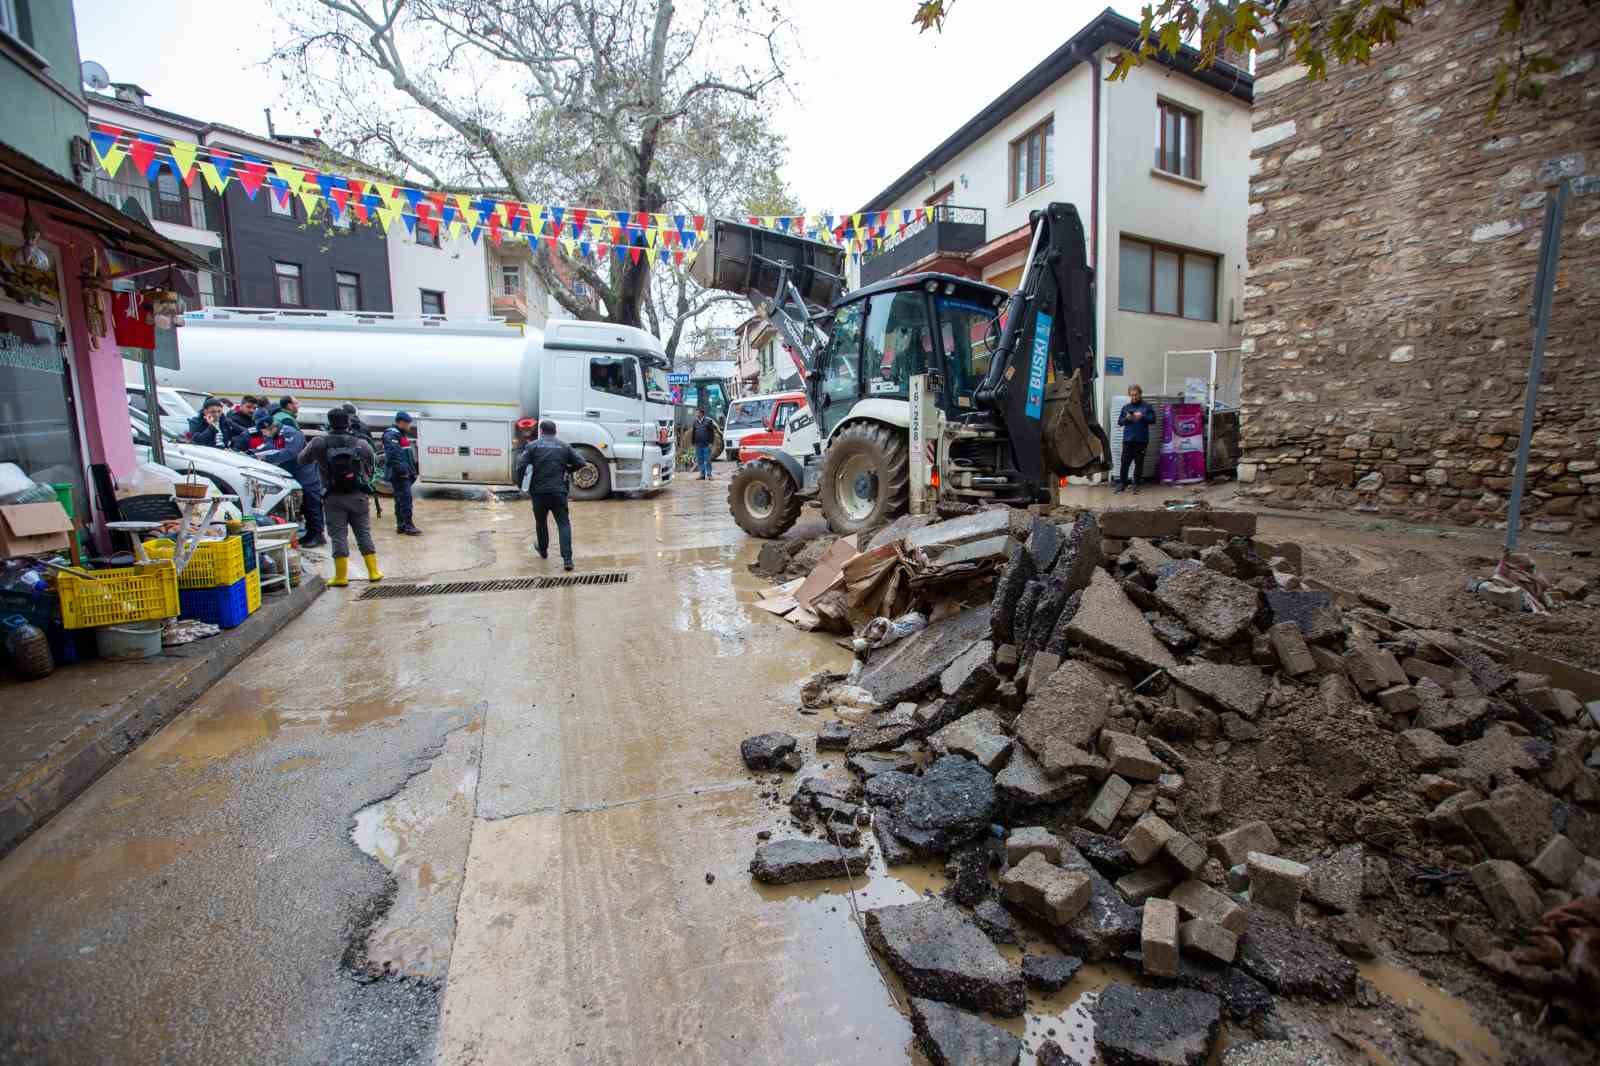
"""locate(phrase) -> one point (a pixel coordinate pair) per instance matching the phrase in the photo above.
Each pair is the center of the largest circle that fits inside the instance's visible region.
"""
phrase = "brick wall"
(1393, 243)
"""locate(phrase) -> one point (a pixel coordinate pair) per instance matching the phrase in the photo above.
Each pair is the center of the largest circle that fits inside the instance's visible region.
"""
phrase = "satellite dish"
(95, 76)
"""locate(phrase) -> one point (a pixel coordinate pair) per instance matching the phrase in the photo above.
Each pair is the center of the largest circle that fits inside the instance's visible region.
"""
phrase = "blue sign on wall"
(1113, 366)
(677, 379)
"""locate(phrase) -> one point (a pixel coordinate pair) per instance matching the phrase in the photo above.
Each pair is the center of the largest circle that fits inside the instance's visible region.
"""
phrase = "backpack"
(345, 466)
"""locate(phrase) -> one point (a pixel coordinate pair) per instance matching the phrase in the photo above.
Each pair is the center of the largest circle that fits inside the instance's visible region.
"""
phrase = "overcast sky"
(868, 96)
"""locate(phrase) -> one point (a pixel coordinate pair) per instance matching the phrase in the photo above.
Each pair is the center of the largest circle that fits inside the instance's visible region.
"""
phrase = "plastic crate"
(215, 563)
(247, 544)
(137, 593)
(226, 606)
(252, 590)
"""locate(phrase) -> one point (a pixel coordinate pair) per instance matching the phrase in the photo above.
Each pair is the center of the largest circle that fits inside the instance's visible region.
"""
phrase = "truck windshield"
(656, 389)
(964, 329)
(748, 414)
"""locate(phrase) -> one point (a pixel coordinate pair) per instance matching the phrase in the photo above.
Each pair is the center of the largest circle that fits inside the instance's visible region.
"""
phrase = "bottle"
(27, 647)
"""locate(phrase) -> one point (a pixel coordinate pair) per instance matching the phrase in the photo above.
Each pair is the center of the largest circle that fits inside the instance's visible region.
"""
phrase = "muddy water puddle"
(1443, 1018)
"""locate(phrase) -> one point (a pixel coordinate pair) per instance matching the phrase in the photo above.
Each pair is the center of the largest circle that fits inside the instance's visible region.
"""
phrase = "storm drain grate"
(510, 584)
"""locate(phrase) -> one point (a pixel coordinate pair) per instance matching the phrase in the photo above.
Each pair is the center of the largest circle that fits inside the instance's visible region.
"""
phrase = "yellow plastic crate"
(252, 590)
(135, 593)
(215, 563)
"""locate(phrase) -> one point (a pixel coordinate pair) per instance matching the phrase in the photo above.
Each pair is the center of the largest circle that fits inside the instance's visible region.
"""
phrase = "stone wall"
(1394, 238)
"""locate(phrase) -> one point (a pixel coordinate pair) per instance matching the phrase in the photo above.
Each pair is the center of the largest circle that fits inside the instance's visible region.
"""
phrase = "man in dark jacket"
(285, 445)
(242, 419)
(344, 469)
(703, 436)
(286, 409)
(550, 464)
(400, 471)
(1135, 419)
(206, 427)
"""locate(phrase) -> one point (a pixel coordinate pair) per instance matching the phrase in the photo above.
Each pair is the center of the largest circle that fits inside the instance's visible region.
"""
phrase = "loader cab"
(934, 324)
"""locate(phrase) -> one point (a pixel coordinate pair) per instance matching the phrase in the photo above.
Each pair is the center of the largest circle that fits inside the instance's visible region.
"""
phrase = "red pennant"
(143, 153)
(340, 197)
(699, 223)
(616, 235)
(358, 189)
(251, 174)
(677, 258)
(755, 220)
(580, 217)
(633, 252)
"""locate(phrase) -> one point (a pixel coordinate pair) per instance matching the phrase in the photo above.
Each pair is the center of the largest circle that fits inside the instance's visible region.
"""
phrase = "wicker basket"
(192, 486)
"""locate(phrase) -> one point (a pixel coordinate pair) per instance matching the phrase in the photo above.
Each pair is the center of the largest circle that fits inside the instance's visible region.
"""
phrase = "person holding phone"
(1135, 419)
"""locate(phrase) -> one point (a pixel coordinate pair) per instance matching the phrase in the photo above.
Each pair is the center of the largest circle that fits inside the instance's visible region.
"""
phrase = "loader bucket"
(744, 259)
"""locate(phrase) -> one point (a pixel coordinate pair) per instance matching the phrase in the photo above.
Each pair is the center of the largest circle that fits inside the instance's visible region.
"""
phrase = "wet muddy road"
(467, 829)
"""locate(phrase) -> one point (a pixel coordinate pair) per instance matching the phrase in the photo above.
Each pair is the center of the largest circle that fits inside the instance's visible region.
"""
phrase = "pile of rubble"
(1086, 747)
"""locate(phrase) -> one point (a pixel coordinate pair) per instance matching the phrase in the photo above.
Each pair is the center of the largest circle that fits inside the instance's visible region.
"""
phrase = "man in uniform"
(551, 464)
(400, 471)
(344, 464)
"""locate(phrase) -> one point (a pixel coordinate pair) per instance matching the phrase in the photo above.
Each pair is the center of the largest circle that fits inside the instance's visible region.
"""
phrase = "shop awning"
(22, 176)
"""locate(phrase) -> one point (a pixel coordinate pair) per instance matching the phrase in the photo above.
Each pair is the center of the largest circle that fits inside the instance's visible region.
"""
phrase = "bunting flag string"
(590, 233)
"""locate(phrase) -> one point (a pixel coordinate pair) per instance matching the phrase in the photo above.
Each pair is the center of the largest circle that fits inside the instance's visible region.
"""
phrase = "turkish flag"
(131, 320)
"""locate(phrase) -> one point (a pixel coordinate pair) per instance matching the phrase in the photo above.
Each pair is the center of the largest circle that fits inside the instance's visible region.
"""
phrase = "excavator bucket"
(1071, 443)
(745, 259)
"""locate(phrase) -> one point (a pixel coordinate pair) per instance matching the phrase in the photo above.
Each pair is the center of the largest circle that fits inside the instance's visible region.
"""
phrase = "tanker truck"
(466, 381)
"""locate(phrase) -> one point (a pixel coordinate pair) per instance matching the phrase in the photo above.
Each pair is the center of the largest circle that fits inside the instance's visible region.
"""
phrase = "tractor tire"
(764, 499)
(593, 480)
(866, 477)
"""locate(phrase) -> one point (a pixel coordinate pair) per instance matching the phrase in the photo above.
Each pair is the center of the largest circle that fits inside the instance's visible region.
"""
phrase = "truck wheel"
(866, 477)
(763, 499)
(593, 480)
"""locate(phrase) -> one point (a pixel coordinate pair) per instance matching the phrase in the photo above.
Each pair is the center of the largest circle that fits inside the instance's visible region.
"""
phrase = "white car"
(175, 409)
(261, 487)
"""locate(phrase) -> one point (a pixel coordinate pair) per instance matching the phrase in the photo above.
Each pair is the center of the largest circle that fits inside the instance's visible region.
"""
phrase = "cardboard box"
(33, 529)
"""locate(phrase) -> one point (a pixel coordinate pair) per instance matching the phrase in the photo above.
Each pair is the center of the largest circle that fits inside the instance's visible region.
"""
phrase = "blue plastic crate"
(226, 606)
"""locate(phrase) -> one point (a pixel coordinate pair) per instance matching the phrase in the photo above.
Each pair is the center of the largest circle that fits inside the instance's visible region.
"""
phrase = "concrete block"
(1204, 536)
(1196, 899)
(1276, 883)
(1147, 837)
(1586, 882)
(1182, 850)
(1513, 823)
(1129, 756)
(1200, 937)
(1372, 669)
(1399, 699)
(1158, 938)
(1424, 750)
(1138, 803)
(1234, 846)
(1294, 654)
(1557, 862)
(1021, 843)
(1328, 661)
(1145, 883)
(1127, 523)
(1107, 802)
(1046, 890)
(1420, 669)
(1508, 892)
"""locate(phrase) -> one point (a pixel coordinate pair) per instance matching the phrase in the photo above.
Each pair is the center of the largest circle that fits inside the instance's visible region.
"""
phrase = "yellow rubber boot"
(373, 573)
(341, 567)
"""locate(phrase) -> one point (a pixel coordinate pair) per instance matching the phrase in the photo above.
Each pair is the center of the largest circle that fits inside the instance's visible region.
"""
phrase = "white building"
(1157, 167)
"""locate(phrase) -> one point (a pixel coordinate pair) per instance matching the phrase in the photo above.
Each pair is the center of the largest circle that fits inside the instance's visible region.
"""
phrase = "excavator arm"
(1040, 383)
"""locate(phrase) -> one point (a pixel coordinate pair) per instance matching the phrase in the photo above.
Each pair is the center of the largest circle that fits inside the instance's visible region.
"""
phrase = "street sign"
(677, 379)
(1113, 366)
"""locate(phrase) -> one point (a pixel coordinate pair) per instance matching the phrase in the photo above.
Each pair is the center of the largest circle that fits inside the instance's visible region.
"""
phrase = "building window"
(171, 204)
(1033, 159)
(427, 236)
(284, 206)
(1159, 280)
(288, 279)
(510, 279)
(1177, 140)
(347, 290)
(432, 302)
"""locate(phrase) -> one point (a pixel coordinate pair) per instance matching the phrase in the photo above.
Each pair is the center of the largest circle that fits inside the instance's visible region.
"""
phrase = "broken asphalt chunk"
(1107, 623)
(1155, 1026)
(1218, 608)
(766, 752)
(941, 955)
(785, 862)
(951, 1037)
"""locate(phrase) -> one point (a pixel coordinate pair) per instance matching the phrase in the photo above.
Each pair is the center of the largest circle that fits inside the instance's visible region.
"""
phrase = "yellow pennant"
(855, 222)
(183, 155)
(214, 181)
(311, 197)
(569, 246)
(455, 227)
(291, 174)
(464, 206)
(112, 160)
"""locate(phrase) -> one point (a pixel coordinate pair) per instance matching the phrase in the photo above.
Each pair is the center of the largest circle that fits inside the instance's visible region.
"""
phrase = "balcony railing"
(512, 305)
(951, 229)
(182, 207)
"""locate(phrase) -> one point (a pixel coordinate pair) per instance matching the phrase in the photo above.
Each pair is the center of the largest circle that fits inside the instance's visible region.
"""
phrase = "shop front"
(63, 404)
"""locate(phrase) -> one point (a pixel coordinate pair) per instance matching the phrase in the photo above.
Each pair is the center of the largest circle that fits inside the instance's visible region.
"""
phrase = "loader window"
(965, 333)
(897, 342)
(841, 377)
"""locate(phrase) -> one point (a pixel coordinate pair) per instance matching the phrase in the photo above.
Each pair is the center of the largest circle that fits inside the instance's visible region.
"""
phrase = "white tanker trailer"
(466, 382)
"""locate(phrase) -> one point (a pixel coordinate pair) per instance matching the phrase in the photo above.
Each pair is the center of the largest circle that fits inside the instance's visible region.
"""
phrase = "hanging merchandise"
(132, 321)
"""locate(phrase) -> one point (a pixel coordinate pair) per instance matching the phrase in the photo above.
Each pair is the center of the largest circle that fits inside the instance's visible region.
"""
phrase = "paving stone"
(1043, 544)
(1155, 1026)
(1508, 892)
(785, 862)
(1106, 926)
(1082, 551)
(1024, 783)
(1399, 699)
(1445, 821)
(1557, 862)
(1145, 883)
(1513, 823)
(1128, 756)
(997, 923)
(1234, 846)
(1276, 883)
(1208, 939)
(1185, 853)
(1292, 961)
(1107, 623)
(951, 1037)
(1050, 973)
(1125, 523)
(1506, 756)
(1137, 804)
(1217, 607)
(1294, 655)
(1171, 632)
(979, 735)
(967, 868)
(1240, 689)
(1336, 881)
(1455, 719)
(1196, 899)
(941, 955)
(1158, 938)
(1063, 716)
(1020, 843)
(1008, 588)
(1423, 750)
(1045, 890)
(1107, 802)
(1420, 669)
(889, 789)
(765, 751)
(1238, 729)
(834, 736)
(1147, 837)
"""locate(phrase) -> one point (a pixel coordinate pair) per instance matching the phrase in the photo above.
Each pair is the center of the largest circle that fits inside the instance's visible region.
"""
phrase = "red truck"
(778, 408)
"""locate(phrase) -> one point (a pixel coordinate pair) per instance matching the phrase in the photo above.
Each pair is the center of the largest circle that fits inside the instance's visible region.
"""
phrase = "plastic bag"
(881, 632)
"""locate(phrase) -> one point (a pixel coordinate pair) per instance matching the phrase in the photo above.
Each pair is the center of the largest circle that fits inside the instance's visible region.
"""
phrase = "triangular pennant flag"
(467, 209)
(104, 139)
(616, 235)
(358, 199)
(214, 181)
(252, 172)
(699, 225)
(583, 246)
(556, 215)
(677, 258)
(633, 252)
(783, 223)
(143, 152)
(678, 223)
(311, 194)
(412, 197)
(223, 165)
(535, 219)
(622, 218)
(580, 219)
(112, 158)
(290, 175)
